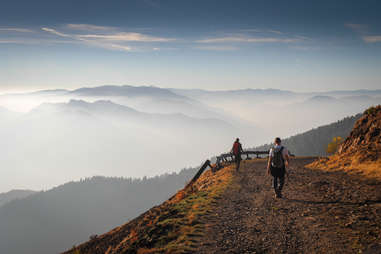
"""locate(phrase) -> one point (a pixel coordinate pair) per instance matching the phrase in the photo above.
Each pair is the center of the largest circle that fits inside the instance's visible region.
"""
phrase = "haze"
(198, 75)
(52, 137)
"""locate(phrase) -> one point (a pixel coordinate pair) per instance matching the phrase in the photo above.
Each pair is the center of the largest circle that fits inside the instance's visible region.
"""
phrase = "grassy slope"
(350, 164)
(173, 227)
(360, 151)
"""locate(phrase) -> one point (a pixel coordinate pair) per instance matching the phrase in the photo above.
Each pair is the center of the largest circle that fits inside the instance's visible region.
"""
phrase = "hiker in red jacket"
(237, 151)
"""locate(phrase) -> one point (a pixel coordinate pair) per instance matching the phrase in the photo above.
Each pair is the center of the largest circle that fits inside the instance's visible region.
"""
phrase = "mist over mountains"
(54, 220)
(314, 142)
(14, 195)
(59, 142)
(55, 136)
(63, 135)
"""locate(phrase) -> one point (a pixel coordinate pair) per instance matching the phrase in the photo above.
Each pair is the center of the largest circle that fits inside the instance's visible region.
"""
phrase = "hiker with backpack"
(279, 160)
(237, 151)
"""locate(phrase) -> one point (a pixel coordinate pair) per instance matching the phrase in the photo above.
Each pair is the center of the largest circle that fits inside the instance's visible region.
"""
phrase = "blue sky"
(294, 45)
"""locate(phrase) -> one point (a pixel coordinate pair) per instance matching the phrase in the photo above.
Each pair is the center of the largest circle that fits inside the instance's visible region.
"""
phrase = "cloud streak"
(244, 39)
(360, 28)
(112, 38)
(363, 31)
(15, 29)
(217, 48)
(137, 37)
(372, 38)
(88, 27)
(53, 31)
(107, 37)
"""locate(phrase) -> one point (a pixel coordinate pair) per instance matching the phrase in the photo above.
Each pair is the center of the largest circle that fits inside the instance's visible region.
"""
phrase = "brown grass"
(351, 164)
(176, 226)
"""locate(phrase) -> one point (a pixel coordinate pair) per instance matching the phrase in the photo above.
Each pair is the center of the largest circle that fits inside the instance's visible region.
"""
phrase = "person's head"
(237, 140)
(277, 141)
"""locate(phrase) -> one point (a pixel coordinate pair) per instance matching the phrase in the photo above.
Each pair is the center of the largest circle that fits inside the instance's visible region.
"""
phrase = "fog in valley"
(52, 137)
(62, 141)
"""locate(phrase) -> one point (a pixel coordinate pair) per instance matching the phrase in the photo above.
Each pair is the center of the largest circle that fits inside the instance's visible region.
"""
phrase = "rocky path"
(321, 212)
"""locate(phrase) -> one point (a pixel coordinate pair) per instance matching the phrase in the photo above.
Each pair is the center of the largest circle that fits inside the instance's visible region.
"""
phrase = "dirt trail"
(321, 212)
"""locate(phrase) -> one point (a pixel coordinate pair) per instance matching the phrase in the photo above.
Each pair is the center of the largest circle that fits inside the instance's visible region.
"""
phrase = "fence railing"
(222, 160)
(227, 158)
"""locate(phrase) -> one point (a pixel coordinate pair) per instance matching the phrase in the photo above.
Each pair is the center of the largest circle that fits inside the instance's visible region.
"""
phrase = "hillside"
(360, 152)
(172, 227)
(314, 142)
(14, 194)
(51, 221)
(322, 211)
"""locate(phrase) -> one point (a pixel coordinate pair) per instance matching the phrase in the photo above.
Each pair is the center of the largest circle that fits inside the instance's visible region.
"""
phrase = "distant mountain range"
(51, 221)
(108, 110)
(128, 91)
(314, 142)
(58, 142)
(13, 195)
(69, 134)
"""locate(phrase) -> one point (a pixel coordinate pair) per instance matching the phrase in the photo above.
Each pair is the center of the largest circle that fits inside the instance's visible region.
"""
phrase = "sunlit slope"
(361, 151)
(172, 227)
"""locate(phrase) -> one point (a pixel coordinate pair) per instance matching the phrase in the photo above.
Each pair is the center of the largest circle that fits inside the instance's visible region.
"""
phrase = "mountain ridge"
(73, 211)
(11, 195)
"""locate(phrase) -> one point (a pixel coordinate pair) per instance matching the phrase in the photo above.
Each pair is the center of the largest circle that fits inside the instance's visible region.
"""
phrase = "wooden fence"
(227, 158)
(223, 159)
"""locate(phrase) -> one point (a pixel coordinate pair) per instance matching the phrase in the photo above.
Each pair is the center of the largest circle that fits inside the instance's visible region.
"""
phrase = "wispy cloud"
(255, 30)
(11, 42)
(116, 46)
(372, 38)
(107, 37)
(15, 29)
(125, 37)
(113, 38)
(33, 41)
(88, 27)
(249, 39)
(360, 28)
(305, 48)
(53, 31)
(275, 32)
(363, 31)
(217, 48)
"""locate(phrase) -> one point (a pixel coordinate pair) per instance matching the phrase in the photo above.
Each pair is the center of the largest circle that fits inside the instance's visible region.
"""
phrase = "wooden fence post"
(200, 171)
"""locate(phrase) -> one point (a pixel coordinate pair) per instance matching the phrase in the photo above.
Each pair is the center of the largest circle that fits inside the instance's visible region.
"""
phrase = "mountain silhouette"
(50, 221)
(13, 195)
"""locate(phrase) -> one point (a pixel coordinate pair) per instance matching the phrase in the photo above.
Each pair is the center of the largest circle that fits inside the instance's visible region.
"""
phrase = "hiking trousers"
(237, 159)
(281, 183)
(278, 178)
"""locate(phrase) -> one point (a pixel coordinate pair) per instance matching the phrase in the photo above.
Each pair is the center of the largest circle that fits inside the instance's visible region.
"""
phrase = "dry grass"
(176, 226)
(353, 164)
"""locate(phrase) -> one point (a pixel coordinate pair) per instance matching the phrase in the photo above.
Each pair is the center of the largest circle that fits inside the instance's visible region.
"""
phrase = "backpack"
(236, 149)
(277, 160)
